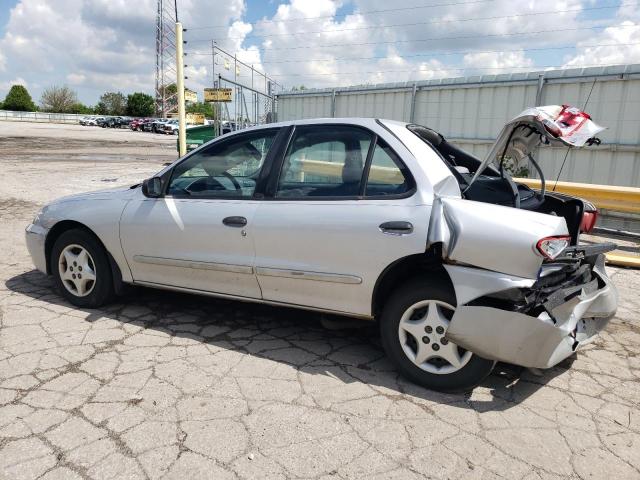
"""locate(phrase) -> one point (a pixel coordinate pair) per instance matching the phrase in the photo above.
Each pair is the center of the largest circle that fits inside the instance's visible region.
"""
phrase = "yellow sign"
(217, 94)
(190, 118)
(190, 95)
(195, 119)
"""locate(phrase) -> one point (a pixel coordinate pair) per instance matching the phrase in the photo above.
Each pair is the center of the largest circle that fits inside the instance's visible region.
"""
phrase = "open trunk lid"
(551, 124)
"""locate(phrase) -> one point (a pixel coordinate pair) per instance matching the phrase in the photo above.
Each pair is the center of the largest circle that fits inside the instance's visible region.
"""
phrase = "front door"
(343, 209)
(199, 235)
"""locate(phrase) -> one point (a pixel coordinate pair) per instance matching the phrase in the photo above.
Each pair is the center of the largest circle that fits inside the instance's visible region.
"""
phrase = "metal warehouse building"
(471, 111)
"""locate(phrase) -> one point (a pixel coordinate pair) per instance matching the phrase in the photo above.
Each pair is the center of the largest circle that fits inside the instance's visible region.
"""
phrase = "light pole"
(182, 130)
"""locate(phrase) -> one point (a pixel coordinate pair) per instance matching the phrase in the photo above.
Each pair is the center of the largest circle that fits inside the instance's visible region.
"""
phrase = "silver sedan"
(460, 265)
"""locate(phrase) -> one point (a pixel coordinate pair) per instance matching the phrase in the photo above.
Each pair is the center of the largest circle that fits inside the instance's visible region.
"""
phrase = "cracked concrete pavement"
(166, 385)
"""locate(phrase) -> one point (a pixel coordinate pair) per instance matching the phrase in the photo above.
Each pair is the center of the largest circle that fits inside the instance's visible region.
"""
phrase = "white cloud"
(95, 45)
(76, 78)
(616, 45)
(108, 45)
(497, 62)
(403, 44)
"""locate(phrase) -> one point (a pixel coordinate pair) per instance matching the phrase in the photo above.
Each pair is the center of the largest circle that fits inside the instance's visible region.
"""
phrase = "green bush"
(81, 108)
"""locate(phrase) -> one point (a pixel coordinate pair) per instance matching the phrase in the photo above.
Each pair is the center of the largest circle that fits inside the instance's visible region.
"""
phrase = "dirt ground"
(164, 385)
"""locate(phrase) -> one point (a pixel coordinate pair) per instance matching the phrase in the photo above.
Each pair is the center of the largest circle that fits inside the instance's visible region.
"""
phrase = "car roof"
(361, 121)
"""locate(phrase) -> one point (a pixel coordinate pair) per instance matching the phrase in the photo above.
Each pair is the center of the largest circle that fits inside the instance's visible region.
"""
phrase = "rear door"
(340, 209)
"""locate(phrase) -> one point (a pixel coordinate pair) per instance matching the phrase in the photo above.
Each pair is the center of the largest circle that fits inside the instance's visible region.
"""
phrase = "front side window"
(324, 161)
(227, 169)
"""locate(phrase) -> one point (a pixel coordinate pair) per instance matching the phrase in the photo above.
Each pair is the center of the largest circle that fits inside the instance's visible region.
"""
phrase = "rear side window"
(324, 161)
(387, 174)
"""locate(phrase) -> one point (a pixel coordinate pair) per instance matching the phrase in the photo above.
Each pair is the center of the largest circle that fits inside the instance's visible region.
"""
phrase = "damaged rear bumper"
(548, 333)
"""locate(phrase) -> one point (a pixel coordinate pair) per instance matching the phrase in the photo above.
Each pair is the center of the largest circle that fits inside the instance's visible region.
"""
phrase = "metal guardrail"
(623, 259)
(606, 197)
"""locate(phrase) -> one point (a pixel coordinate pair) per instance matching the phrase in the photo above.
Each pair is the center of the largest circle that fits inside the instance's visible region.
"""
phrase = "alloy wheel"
(77, 270)
(422, 331)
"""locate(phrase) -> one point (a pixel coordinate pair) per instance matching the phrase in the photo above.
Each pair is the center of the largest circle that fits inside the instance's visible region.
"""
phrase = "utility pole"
(182, 127)
(213, 63)
(166, 14)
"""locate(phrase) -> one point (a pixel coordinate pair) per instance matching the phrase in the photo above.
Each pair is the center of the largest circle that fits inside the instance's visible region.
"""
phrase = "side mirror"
(152, 187)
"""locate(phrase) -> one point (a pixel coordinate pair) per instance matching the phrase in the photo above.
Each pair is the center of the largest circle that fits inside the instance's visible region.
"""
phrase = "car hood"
(561, 125)
(105, 194)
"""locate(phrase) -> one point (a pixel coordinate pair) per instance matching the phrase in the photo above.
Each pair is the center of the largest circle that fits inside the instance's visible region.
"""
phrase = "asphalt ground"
(164, 385)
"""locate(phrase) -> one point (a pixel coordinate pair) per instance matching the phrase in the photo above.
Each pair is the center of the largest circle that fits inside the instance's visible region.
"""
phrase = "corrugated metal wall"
(472, 110)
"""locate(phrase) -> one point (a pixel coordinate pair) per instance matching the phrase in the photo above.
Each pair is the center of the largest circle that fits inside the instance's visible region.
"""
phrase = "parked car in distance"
(115, 122)
(460, 265)
(92, 121)
(157, 126)
(123, 122)
(136, 124)
(170, 127)
(103, 121)
(147, 125)
(228, 126)
(109, 122)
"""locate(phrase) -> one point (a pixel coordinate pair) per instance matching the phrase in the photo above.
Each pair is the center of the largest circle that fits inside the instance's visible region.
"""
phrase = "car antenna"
(569, 148)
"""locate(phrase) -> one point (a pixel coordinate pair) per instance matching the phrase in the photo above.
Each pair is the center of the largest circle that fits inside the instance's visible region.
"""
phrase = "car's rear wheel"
(413, 327)
(81, 269)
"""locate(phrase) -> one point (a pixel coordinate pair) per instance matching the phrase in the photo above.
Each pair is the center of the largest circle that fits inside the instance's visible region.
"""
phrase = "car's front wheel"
(413, 327)
(81, 269)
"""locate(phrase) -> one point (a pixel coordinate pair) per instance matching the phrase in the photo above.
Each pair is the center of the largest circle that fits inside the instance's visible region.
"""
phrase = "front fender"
(101, 216)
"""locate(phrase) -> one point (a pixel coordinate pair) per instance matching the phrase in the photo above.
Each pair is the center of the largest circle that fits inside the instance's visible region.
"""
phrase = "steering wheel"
(202, 184)
(233, 180)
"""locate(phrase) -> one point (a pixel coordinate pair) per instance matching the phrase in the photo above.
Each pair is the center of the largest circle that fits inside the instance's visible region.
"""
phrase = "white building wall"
(472, 110)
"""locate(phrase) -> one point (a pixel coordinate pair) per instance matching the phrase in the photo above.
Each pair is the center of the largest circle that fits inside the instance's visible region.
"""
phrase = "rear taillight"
(588, 221)
(551, 247)
(552, 128)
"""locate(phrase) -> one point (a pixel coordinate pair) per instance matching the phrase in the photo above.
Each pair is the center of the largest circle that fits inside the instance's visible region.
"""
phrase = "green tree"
(112, 103)
(58, 99)
(81, 108)
(140, 105)
(18, 99)
(205, 108)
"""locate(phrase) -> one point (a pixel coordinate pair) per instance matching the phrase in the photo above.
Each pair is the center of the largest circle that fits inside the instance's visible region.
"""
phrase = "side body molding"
(489, 236)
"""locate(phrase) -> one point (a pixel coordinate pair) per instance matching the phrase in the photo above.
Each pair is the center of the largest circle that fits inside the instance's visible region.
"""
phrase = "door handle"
(396, 228)
(235, 221)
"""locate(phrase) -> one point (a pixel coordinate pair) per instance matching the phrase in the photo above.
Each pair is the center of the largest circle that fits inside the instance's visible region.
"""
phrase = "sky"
(95, 46)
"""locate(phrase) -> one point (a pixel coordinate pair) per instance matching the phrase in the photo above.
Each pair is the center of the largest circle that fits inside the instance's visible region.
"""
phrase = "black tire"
(396, 305)
(102, 291)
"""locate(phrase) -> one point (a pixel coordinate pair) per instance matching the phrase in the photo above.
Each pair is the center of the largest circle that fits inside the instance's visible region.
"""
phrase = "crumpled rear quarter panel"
(493, 237)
